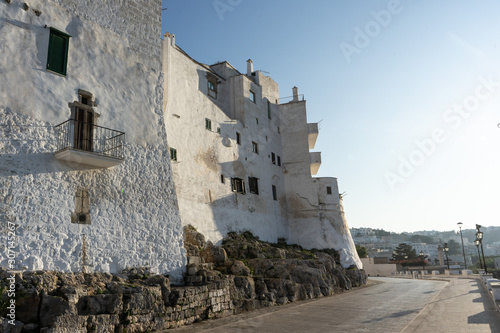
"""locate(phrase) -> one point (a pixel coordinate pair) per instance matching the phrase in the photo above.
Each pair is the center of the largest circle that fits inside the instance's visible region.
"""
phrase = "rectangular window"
(255, 147)
(252, 96)
(57, 57)
(218, 130)
(275, 195)
(328, 190)
(208, 124)
(273, 158)
(212, 89)
(173, 154)
(238, 138)
(222, 179)
(279, 161)
(268, 110)
(257, 121)
(238, 185)
(253, 185)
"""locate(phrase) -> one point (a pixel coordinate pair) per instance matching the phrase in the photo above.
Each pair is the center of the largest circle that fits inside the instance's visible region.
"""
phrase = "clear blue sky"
(407, 92)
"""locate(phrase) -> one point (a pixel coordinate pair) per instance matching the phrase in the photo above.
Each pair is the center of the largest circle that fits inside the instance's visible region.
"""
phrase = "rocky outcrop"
(242, 275)
(264, 274)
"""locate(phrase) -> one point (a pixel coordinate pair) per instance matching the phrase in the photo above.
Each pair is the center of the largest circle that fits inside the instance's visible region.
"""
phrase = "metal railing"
(79, 135)
(288, 99)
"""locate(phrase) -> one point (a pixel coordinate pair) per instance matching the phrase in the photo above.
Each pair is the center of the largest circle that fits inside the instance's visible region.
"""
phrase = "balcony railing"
(89, 140)
(288, 99)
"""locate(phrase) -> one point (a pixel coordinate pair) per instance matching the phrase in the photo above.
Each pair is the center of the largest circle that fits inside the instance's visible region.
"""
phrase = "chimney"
(249, 67)
(295, 94)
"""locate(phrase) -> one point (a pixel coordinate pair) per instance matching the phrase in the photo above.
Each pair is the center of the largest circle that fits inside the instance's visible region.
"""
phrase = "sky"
(407, 94)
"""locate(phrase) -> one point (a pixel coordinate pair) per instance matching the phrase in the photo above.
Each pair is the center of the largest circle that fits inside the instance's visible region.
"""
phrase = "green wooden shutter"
(57, 58)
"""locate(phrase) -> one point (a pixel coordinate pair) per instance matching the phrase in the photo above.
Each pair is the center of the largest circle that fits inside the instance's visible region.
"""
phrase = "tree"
(404, 252)
(362, 252)
(454, 247)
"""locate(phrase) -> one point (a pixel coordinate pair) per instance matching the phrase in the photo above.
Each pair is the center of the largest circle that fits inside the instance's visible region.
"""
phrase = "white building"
(84, 169)
(242, 160)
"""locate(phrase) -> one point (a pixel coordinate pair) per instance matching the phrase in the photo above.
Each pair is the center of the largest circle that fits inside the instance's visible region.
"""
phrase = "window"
(218, 130)
(238, 138)
(257, 121)
(222, 179)
(212, 88)
(252, 96)
(328, 190)
(255, 147)
(268, 110)
(253, 185)
(57, 57)
(279, 161)
(275, 196)
(279, 130)
(273, 158)
(208, 124)
(82, 207)
(173, 154)
(238, 185)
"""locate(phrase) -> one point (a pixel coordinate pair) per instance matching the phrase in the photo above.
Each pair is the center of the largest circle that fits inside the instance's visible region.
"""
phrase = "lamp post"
(462, 237)
(446, 249)
(479, 236)
(423, 259)
(476, 242)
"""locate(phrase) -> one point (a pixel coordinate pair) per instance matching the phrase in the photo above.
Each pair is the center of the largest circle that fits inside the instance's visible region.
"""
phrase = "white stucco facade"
(113, 54)
(244, 112)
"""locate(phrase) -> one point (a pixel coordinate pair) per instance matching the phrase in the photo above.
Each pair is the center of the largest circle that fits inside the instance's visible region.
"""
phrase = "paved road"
(394, 305)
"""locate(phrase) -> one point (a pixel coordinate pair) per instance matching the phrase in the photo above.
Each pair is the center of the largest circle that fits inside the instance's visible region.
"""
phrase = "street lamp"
(479, 236)
(446, 249)
(462, 237)
(423, 259)
(476, 242)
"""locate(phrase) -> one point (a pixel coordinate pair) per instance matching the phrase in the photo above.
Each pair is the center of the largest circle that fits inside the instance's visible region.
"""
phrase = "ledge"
(87, 158)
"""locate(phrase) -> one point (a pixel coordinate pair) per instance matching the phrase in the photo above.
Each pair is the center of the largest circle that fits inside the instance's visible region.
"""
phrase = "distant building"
(242, 159)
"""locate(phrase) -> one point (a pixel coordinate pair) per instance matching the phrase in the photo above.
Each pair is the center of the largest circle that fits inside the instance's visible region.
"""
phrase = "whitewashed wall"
(114, 52)
(204, 155)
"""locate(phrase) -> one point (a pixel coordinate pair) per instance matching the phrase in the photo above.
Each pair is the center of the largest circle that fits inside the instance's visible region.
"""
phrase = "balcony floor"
(87, 158)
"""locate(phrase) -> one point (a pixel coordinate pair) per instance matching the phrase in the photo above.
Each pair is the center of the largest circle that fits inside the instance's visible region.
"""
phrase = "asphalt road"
(393, 305)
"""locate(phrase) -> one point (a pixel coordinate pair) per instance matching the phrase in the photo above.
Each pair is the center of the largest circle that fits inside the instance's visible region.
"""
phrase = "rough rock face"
(264, 274)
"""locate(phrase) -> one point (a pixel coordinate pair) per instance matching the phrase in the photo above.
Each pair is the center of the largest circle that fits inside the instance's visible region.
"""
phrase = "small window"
(257, 121)
(57, 57)
(268, 110)
(252, 96)
(275, 196)
(212, 88)
(238, 185)
(328, 190)
(208, 124)
(255, 147)
(82, 207)
(278, 130)
(222, 179)
(279, 161)
(253, 185)
(273, 158)
(218, 130)
(238, 138)
(173, 154)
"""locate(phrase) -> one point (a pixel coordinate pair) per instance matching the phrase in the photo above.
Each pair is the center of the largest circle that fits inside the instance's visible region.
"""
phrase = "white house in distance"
(241, 157)
(84, 166)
